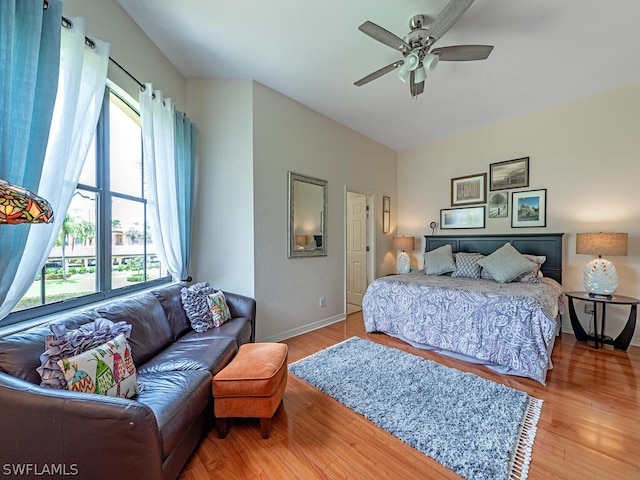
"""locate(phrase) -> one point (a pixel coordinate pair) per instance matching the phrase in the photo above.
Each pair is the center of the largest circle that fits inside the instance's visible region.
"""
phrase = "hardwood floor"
(589, 427)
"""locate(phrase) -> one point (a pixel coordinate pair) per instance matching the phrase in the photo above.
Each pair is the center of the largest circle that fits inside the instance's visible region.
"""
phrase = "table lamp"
(403, 263)
(599, 275)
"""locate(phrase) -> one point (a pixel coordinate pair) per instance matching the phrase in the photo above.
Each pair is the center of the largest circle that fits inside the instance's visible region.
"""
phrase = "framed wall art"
(529, 208)
(470, 217)
(498, 205)
(509, 174)
(386, 214)
(469, 190)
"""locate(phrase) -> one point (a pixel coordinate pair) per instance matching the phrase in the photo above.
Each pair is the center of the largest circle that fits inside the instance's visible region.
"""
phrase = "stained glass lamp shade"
(19, 205)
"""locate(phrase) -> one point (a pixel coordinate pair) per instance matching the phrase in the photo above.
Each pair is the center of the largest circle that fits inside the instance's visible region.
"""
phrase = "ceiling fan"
(416, 47)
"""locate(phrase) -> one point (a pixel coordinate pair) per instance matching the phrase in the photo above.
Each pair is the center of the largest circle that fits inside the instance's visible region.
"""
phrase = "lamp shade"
(403, 243)
(19, 205)
(602, 244)
(430, 61)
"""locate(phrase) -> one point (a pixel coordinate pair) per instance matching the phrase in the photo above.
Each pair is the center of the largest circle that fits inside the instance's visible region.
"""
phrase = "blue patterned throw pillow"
(467, 265)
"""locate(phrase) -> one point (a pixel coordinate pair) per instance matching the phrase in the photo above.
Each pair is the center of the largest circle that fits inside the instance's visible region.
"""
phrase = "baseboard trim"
(304, 329)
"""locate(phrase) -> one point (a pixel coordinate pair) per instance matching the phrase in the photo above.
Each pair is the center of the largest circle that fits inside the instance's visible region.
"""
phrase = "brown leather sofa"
(62, 433)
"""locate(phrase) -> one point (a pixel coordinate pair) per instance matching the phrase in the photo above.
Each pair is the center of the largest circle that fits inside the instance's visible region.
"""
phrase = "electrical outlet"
(321, 301)
(588, 308)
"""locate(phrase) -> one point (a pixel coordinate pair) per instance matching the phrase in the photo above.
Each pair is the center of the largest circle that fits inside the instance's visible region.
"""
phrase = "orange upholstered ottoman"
(251, 385)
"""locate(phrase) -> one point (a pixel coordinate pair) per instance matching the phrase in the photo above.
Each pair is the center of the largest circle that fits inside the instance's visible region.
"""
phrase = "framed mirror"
(307, 216)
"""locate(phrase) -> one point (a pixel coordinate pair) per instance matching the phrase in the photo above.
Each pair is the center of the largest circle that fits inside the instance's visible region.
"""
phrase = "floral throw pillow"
(218, 308)
(104, 370)
(68, 343)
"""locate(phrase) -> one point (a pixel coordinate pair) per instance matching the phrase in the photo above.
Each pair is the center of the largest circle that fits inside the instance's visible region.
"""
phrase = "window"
(105, 246)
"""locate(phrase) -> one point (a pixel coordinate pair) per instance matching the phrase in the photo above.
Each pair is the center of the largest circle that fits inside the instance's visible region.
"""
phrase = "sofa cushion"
(68, 343)
(106, 370)
(20, 352)
(176, 398)
(171, 301)
(237, 328)
(150, 330)
(211, 355)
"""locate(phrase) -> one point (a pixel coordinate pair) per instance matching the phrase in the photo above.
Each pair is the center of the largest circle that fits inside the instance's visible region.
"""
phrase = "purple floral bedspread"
(506, 324)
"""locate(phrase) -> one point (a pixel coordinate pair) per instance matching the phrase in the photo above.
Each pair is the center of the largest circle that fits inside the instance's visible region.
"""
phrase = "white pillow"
(439, 261)
(506, 263)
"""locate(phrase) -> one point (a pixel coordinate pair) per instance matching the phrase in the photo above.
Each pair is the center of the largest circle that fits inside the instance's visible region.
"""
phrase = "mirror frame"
(292, 252)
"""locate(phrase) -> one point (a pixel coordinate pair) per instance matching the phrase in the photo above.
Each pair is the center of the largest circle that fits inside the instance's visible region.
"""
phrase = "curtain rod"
(66, 23)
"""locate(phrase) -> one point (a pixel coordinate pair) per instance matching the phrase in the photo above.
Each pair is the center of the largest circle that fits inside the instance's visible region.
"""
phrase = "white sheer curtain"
(83, 73)
(158, 134)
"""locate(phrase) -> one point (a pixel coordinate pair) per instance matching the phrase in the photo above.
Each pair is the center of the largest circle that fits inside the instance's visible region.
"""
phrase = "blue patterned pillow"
(467, 265)
(194, 301)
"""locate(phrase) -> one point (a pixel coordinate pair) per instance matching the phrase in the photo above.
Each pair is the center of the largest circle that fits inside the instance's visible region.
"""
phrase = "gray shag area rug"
(477, 428)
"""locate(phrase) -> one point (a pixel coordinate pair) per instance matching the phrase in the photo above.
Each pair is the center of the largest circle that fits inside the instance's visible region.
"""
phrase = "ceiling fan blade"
(384, 36)
(449, 15)
(378, 73)
(461, 53)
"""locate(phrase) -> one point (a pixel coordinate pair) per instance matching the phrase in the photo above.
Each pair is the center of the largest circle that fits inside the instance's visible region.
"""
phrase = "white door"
(356, 250)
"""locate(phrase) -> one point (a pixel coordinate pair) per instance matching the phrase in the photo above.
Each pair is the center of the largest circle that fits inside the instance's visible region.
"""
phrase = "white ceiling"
(546, 52)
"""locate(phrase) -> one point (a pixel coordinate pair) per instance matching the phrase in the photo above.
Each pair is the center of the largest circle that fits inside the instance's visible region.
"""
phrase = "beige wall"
(223, 226)
(130, 47)
(585, 153)
(289, 136)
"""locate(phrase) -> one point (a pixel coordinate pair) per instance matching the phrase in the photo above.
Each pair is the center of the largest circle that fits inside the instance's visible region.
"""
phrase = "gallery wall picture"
(509, 174)
(470, 217)
(498, 205)
(469, 190)
(529, 208)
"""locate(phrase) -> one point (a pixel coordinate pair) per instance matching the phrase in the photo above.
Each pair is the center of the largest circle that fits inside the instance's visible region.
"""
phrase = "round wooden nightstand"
(623, 340)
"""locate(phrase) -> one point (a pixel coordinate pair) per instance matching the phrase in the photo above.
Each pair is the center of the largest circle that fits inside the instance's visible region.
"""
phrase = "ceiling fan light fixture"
(404, 73)
(420, 74)
(412, 61)
(430, 61)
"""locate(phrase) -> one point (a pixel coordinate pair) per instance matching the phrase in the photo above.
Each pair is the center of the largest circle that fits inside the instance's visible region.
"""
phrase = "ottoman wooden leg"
(265, 427)
(221, 424)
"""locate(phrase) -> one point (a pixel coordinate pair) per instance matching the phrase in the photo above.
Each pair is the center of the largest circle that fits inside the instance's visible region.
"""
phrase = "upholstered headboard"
(547, 244)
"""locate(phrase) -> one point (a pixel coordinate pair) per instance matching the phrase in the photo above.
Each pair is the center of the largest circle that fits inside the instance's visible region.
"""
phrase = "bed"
(511, 327)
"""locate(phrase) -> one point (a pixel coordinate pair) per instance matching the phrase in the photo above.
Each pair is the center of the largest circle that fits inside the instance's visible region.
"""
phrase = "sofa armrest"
(241, 306)
(95, 436)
